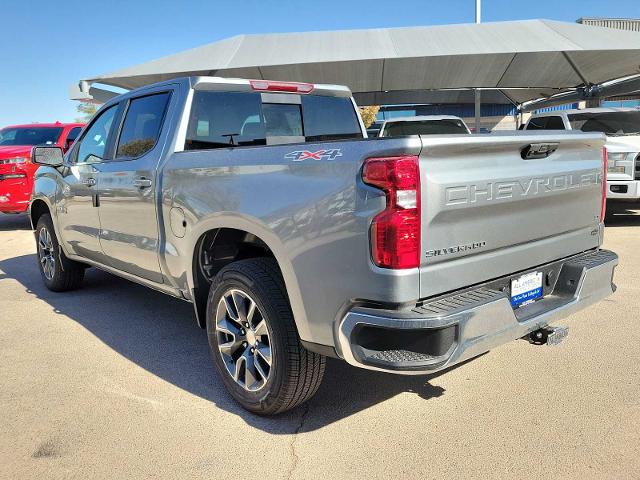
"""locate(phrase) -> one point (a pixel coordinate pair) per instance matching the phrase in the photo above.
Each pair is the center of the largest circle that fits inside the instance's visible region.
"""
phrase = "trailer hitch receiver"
(548, 335)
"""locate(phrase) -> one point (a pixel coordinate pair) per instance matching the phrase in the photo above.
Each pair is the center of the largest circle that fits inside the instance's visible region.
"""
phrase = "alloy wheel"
(46, 253)
(243, 340)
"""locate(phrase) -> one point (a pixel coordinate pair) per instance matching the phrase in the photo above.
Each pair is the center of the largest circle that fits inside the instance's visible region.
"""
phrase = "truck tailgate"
(487, 212)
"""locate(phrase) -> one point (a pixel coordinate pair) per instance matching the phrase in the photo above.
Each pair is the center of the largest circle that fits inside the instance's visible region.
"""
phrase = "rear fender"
(262, 231)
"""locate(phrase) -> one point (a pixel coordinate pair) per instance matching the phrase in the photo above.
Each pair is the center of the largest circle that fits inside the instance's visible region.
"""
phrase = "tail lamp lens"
(603, 207)
(395, 232)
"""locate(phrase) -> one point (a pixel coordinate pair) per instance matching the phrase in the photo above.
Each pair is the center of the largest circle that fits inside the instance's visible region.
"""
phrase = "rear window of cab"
(238, 119)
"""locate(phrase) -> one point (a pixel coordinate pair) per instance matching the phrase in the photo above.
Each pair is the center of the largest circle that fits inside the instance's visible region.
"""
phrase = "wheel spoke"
(265, 353)
(231, 309)
(251, 311)
(230, 347)
(225, 326)
(239, 365)
(260, 370)
(47, 267)
(250, 371)
(261, 329)
(239, 301)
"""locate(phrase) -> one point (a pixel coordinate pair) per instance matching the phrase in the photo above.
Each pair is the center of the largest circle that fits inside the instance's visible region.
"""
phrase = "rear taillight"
(272, 86)
(395, 232)
(603, 207)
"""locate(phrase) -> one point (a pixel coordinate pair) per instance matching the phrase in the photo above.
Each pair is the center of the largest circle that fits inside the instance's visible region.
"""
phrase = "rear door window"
(225, 119)
(142, 125)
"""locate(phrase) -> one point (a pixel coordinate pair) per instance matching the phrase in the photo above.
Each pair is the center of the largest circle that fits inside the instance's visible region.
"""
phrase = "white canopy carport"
(524, 59)
(616, 88)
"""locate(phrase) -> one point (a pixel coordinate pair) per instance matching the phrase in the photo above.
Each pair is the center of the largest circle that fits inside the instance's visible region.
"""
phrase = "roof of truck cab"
(324, 88)
(239, 84)
(573, 111)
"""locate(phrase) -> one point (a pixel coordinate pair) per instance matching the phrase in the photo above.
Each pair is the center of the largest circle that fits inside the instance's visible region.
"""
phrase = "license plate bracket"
(526, 289)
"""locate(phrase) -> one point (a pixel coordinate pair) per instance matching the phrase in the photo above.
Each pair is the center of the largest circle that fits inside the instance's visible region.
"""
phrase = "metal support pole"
(477, 92)
(477, 107)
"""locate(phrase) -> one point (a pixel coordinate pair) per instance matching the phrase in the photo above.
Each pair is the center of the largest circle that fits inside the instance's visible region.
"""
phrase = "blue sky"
(49, 45)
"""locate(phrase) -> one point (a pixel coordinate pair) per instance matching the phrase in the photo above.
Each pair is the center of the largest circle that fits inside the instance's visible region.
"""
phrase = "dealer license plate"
(526, 289)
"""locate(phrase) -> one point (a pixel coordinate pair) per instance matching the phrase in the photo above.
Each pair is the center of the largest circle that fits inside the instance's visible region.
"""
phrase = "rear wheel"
(254, 341)
(58, 272)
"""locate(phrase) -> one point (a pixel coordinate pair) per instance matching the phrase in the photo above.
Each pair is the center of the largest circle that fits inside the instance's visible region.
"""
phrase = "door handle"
(89, 182)
(142, 182)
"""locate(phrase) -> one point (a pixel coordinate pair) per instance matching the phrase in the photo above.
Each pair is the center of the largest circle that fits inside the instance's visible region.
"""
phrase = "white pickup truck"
(423, 125)
(622, 128)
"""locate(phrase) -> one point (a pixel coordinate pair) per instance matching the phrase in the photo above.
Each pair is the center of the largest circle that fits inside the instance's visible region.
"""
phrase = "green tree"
(368, 114)
(87, 110)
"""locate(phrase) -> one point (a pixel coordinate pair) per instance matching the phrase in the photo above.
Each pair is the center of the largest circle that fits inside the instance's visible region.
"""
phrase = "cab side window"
(94, 142)
(539, 123)
(142, 125)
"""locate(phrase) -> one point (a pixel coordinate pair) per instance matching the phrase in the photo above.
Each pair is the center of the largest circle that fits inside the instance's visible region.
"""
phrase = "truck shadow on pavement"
(159, 334)
(14, 222)
(623, 216)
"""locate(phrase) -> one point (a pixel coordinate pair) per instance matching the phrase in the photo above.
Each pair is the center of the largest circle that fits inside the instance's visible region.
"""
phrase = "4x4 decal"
(301, 155)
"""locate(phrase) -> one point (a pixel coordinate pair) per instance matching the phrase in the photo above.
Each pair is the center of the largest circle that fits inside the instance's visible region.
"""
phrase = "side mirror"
(68, 143)
(50, 156)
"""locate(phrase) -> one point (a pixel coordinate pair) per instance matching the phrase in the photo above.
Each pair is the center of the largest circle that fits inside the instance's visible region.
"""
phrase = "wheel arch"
(261, 237)
(37, 208)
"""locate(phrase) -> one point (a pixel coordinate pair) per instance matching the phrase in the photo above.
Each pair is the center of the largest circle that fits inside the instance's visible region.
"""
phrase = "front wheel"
(254, 341)
(58, 272)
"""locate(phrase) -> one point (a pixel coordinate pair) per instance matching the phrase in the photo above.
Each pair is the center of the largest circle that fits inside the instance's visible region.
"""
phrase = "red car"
(16, 169)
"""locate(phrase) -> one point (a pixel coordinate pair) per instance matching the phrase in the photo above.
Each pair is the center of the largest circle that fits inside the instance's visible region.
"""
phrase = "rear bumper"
(450, 329)
(623, 190)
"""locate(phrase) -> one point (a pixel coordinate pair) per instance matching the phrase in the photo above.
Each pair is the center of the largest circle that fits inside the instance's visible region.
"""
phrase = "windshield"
(30, 136)
(610, 123)
(424, 127)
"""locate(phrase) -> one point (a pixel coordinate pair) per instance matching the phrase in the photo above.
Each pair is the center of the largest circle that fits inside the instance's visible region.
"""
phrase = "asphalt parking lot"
(115, 381)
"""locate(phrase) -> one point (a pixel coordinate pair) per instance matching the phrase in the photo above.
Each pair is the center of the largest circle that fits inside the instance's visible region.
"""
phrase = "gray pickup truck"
(296, 237)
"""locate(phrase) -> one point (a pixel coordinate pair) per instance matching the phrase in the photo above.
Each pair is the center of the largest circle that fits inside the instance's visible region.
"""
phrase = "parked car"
(622, 128)
(295, 239)
(423, 125)
(16, 168)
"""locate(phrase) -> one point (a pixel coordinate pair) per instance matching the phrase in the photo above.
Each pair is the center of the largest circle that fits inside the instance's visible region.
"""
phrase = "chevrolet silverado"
(296, 238)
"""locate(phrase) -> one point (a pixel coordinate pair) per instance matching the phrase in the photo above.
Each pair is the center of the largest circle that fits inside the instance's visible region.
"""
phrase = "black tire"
(295, 373)
(65, 274)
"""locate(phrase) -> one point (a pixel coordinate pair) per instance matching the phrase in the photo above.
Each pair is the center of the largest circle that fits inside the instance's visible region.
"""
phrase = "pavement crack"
(292, 445)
